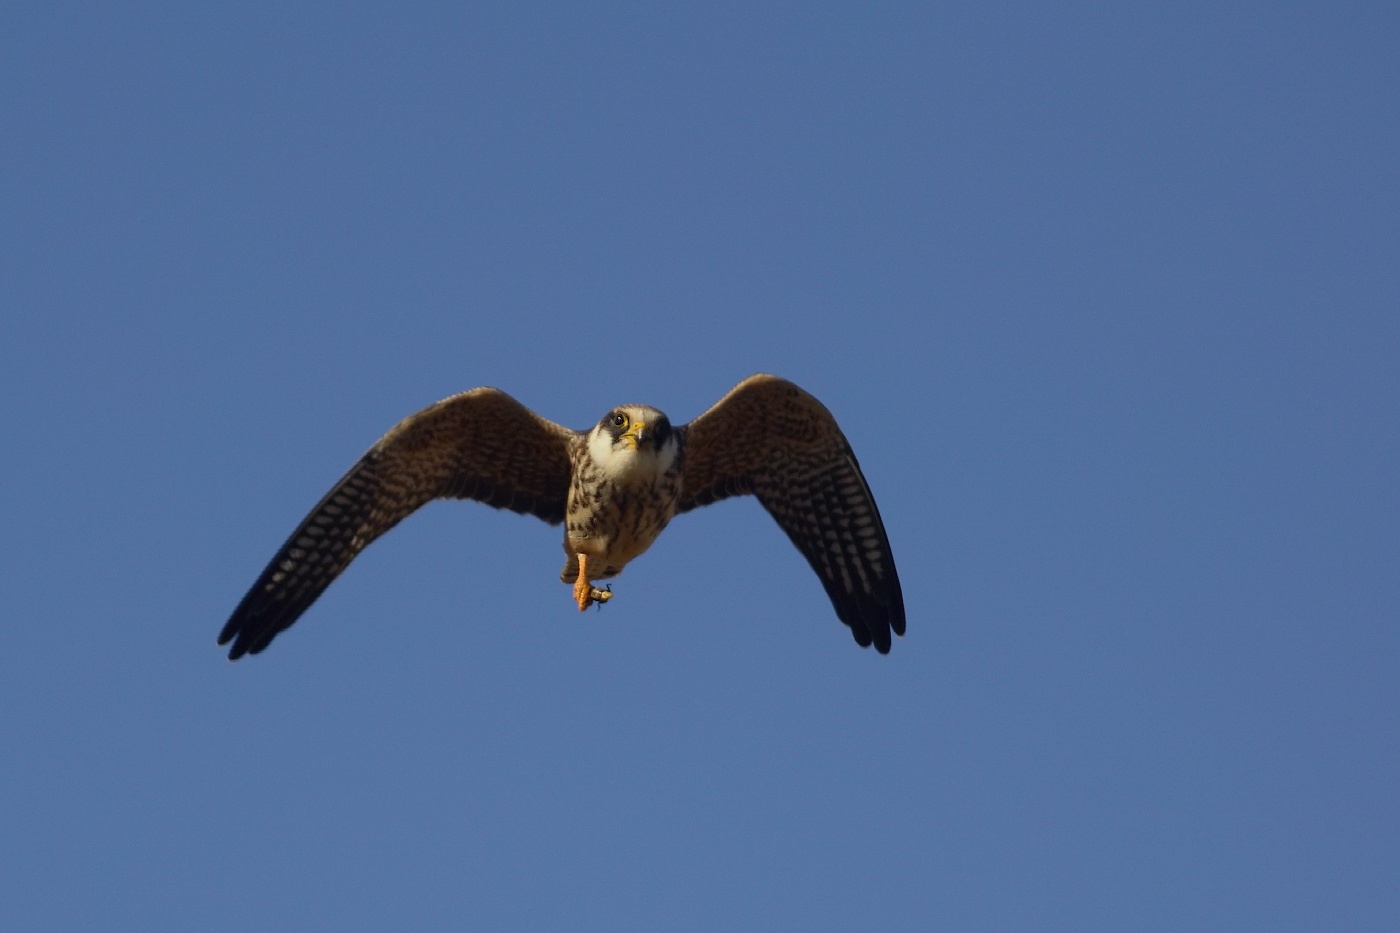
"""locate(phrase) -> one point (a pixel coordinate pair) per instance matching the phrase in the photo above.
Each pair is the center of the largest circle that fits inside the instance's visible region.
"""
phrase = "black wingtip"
(880, 638)
(227, 632)
(235, 631)
(249, 634)
(239, 648)
(872, 626)
(246, 639)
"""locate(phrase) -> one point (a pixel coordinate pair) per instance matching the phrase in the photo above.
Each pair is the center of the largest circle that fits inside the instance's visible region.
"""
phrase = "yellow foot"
(585, 593)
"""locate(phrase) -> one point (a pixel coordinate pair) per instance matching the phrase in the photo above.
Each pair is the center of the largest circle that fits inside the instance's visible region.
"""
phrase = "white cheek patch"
(616, 462)
(666, 456)
(600, 448)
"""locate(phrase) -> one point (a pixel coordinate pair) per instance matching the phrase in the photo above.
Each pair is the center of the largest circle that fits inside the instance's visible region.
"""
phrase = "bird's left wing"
(481, 445)
(770, 438)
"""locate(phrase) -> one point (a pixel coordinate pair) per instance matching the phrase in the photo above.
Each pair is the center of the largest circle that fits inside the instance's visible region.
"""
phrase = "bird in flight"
(614, 486)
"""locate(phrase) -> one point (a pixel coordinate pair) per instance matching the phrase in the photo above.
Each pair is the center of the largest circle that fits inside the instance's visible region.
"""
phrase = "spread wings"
(481, 445)
(769, 438)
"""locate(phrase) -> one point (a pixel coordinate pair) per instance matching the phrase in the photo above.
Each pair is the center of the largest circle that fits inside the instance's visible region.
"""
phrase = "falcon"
(614, 487)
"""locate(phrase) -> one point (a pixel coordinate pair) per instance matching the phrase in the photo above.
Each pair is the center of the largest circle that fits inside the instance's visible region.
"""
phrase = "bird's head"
(633, 437)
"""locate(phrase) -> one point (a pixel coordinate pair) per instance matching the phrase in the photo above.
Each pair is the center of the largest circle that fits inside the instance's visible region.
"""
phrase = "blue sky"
(1105, 299)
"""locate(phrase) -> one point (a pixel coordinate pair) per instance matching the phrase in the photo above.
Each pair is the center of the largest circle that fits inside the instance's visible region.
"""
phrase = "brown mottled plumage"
(617, 485)
(770, 438)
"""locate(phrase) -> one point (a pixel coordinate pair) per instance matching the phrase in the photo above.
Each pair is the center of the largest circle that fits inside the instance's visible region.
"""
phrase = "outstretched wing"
(770, 438)
(481, 445)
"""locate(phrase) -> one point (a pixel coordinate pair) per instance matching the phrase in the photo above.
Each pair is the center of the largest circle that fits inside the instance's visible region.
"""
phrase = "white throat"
(627, 464)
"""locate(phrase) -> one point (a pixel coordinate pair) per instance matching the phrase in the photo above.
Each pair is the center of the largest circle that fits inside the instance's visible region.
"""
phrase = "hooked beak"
(636, 434)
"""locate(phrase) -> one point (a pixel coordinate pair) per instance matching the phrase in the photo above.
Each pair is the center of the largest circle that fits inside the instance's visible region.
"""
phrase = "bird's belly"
(610, 550)
(614, 534)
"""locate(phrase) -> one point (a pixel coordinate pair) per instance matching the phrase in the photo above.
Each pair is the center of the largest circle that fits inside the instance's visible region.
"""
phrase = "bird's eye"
(619, 420)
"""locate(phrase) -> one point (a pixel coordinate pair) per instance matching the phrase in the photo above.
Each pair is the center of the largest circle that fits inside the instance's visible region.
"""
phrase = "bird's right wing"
(769, 438)
(481, 445)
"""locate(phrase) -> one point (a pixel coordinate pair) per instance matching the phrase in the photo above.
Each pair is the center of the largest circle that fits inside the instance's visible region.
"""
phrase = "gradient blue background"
(1107, 300)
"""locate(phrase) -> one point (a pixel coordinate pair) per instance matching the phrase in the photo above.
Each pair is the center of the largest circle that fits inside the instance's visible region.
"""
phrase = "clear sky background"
(1107, 300)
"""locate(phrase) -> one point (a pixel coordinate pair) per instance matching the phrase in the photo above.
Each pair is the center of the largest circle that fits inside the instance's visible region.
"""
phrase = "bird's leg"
(582, 596)
(585, 593)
